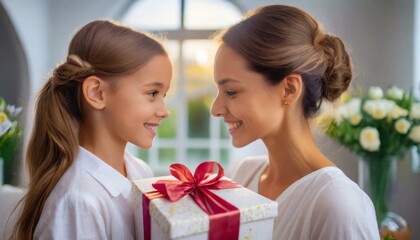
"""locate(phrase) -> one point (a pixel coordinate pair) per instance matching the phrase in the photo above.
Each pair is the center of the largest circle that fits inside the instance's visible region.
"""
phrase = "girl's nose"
(163, 112)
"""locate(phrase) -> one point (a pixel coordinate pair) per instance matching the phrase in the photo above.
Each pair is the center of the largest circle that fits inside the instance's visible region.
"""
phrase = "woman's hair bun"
(338, 74)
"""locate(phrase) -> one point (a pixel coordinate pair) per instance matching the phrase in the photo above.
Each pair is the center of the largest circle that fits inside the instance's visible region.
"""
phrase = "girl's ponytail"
(53, 144)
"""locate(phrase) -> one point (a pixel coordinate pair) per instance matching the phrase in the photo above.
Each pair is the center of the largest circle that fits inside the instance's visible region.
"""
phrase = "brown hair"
(100, 48)
(278, 40)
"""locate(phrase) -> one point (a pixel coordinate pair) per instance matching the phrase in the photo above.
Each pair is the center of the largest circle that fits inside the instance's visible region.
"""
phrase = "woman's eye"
(230, 93)
(153, 94)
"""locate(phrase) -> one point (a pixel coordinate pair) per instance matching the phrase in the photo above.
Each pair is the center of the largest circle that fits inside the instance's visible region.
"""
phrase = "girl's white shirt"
(324, 204)
(92, 200)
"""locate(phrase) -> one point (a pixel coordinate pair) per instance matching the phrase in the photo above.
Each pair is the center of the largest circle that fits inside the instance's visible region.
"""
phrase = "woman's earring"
(287, 104)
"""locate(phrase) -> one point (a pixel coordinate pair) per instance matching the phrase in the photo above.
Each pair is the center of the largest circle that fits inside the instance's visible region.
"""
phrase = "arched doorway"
(14, 88)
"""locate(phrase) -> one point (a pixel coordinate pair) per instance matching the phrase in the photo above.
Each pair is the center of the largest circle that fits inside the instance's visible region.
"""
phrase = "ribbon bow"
(224, 217)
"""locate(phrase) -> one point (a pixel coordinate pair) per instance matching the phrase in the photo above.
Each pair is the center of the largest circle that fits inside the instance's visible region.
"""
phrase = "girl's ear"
(292, 85)
(93, 92)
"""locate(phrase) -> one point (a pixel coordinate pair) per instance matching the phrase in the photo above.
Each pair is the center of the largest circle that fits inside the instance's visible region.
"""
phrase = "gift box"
(185, 219)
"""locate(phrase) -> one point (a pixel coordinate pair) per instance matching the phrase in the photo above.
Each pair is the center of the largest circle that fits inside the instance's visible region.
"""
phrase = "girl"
(272, 70)
(108, 92)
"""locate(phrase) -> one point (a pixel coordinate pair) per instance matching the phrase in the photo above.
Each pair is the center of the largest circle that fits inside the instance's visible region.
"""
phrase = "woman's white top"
(324, 204)
(91, 201)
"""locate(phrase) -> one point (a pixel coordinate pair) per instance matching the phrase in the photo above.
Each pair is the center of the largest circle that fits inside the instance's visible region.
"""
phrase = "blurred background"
(383, 37)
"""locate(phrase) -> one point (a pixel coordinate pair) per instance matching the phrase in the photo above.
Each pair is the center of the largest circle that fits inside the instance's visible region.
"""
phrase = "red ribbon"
(224, 217)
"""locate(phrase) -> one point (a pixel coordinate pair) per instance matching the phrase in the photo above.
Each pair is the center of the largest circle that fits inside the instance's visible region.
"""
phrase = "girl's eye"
(230, 93)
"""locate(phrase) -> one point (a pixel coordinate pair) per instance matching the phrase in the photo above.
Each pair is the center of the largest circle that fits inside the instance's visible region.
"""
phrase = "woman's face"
(136, 107)
(250, 106)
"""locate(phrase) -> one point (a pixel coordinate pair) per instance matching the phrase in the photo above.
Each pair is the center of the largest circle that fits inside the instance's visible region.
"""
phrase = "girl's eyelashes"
(155, 93)
(231, 93)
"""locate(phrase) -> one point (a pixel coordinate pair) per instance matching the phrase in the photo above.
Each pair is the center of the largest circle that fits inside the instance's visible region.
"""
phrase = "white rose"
(369, 139)
(415, 111)
(353, 106)
(402, 125)
(340, 113)
(375, 93)
(415, 134)
(355, 119)
(395, 93)
(369, 107)
(397, 112)
(5, 124)
(379, 108)
(347, 110)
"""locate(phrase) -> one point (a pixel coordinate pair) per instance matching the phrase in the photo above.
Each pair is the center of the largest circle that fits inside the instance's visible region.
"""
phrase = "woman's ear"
(93, 92)
(292, 88)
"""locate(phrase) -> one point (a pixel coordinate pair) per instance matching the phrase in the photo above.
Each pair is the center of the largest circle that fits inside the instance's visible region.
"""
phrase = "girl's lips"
(151, 127)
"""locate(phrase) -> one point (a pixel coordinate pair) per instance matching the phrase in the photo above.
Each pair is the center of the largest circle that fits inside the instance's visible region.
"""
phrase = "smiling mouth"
(234, 125)
(151, 128)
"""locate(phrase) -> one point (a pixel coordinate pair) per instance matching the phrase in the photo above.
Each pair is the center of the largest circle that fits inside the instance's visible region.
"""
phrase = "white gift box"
(184, 220)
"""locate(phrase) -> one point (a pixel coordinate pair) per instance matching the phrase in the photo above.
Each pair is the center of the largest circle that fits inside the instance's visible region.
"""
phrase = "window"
(190, 135)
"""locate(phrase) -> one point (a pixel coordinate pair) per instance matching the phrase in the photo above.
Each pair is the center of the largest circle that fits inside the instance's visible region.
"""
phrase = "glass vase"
(377, 178)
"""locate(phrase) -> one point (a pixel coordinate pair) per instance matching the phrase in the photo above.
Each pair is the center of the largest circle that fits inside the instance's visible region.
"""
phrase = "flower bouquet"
(378, 127)
(10, 137)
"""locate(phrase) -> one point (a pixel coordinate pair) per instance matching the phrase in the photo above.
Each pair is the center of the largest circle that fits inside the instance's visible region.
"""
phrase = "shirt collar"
(134, 171)
(108, 177)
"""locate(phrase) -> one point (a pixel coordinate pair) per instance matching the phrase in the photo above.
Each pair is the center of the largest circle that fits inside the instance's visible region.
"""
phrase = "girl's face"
(136, 105)
(251, 107)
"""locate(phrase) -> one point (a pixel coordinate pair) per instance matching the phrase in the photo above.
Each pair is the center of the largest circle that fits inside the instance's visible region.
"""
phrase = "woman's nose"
(217, 109)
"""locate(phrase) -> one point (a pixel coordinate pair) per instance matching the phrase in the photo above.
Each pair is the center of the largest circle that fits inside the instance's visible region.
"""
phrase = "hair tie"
(78, 61)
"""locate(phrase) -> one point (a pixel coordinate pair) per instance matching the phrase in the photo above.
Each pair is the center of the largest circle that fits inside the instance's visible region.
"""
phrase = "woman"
(273, 70)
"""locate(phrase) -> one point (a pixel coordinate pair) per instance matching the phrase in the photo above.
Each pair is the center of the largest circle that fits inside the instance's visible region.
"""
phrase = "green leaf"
(388, 237)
